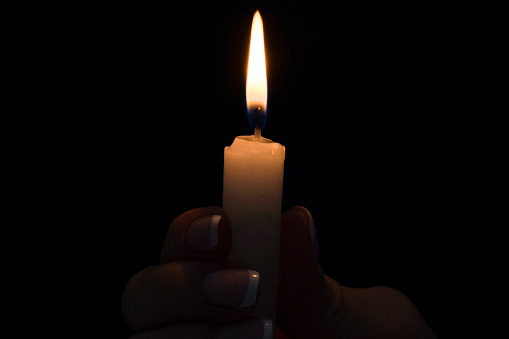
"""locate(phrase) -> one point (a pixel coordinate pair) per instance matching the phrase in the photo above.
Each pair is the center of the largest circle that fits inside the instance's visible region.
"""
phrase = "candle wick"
(257, 133)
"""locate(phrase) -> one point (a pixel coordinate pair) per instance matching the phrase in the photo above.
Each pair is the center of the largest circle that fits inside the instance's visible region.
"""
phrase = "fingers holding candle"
(189, 291)
(194, 281)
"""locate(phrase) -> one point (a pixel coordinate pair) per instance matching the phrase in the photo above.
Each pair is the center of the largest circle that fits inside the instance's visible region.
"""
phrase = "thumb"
(305, 295)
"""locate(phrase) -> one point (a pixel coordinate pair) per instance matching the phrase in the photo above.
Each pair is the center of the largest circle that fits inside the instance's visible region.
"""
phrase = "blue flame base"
(257, 117)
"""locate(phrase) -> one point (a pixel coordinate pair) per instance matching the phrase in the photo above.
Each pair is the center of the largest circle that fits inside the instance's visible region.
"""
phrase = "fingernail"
(248, 329)
(235, 288)
(201, 235)
(312, 234)
(312, 230)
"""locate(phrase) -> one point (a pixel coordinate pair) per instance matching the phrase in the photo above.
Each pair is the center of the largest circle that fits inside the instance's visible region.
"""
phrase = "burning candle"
(253, 185)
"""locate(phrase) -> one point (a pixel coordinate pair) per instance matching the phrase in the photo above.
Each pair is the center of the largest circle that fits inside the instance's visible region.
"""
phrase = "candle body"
(252, 193)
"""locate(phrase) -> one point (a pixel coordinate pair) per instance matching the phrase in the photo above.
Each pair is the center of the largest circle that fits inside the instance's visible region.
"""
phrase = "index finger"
(199, 234)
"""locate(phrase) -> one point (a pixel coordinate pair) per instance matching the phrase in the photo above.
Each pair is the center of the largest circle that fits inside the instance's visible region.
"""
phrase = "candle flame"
(256, 84)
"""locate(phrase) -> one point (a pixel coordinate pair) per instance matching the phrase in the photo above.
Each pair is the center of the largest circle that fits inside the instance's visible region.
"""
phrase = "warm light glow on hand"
(256, 86)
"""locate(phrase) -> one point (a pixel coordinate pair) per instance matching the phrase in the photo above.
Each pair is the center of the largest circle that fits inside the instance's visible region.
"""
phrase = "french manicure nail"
(235, 288)
(201, 235)
(312, 235)
(247, 329)
(311, 224)
(312, 230)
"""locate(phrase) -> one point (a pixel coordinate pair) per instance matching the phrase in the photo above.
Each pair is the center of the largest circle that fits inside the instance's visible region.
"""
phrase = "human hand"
(313, 305)
(180, 297)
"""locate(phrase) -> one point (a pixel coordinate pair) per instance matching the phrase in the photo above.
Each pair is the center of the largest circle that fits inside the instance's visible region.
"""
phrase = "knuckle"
(128, 302)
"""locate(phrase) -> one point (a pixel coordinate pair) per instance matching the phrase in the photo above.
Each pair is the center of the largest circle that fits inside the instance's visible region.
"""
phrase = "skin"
(164, 301)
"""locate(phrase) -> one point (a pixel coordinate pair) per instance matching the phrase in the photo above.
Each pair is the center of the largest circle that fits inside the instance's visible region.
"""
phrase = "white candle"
(252, 192)
(253, 186)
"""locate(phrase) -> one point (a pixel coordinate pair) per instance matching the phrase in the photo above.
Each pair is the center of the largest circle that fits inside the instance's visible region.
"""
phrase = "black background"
(114, 119)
